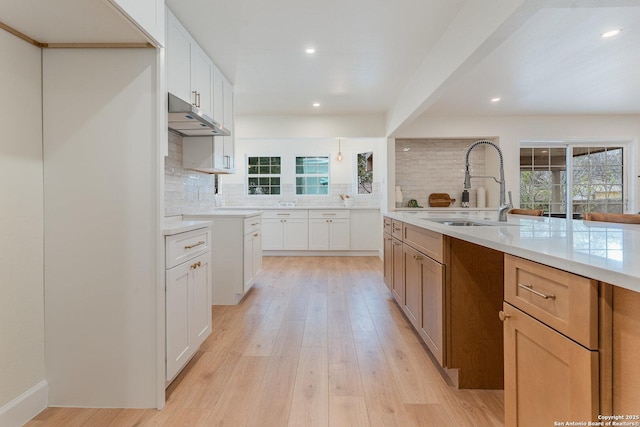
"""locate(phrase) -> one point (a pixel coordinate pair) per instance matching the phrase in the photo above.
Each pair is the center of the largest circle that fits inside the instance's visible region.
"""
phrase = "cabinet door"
(412, 262)
(432, 306)
(228, 141)
(257, 253)
(179, 347)
(218, 95)
(397, 282)
(339, 234)
(296, 234)
(388, 260)
(272, 234)
(201, 80)
(319, 234)
(201, 294)
(548, 377)
(178, 59)
(247, 263)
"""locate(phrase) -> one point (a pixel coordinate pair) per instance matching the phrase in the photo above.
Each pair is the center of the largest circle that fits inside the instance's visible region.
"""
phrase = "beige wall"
(21, 224)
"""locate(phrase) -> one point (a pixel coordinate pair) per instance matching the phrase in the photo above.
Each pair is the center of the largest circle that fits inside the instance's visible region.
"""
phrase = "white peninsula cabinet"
(188, 296)
(237, 253)
(285, 230)
(329, 229)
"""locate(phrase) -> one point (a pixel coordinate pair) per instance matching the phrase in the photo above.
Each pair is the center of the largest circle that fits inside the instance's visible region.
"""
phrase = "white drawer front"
(329, 214)
(182, 247)
(252, 224)
(284, 214)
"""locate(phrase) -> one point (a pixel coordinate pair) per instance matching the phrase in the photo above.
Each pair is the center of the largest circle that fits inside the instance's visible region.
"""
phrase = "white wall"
(101, 227)
(343, 173)
(21, 232)
(310, 126)
(511, 130)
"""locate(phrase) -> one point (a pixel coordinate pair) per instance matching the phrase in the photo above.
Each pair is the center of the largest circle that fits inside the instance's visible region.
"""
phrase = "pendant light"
(339, 151)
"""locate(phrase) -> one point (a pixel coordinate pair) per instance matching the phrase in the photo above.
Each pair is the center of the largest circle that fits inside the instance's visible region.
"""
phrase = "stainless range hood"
(188, 120)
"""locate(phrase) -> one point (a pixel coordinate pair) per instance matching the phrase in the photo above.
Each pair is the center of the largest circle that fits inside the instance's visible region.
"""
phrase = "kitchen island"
(566, 291)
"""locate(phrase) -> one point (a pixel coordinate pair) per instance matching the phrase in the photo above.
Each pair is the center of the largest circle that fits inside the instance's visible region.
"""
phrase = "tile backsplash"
(186, 191)
(425, 166)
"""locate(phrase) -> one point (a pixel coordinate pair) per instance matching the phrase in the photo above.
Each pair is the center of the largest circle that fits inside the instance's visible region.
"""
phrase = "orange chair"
(530, 212)
(612, 217)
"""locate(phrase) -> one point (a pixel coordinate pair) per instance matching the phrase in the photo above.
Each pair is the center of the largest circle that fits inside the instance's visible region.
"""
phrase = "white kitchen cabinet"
(228, 142)
(285, 230)
(205, 154)
(190, 72)
(237, 253)
(146, 15)
(188, 297)
(365, 230)
(329, 229)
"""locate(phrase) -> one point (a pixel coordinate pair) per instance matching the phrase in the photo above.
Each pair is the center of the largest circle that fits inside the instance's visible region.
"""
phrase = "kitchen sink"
(463, 222)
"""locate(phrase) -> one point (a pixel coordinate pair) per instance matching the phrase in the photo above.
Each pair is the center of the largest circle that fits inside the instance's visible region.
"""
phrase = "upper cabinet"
(189, 69)
(146, 15)
(193, 77)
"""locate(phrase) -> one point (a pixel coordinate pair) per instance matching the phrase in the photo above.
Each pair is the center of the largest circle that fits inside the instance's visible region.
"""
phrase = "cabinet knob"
(196, 265)
(503, 316)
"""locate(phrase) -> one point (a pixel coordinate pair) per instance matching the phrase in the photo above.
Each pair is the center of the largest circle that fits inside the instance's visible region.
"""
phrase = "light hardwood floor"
(318, 341)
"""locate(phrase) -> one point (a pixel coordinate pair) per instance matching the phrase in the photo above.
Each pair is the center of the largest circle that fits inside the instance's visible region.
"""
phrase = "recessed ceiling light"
(310, 50)
(316, 104)
(495, 99)
(611, 33)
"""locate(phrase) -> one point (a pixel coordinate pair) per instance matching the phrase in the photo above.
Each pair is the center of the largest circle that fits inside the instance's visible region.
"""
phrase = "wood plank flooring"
(318, 341)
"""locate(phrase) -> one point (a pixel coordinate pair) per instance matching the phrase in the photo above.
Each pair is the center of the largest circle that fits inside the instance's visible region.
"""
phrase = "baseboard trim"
(26, 406)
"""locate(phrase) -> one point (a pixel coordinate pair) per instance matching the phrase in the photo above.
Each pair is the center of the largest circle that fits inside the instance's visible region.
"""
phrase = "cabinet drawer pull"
(281, 214)
(397, 229)
(417, 257)
(329, 214)
(255, 223)
(196, 265)
(256, 235)
(194, 245)
(533, 291)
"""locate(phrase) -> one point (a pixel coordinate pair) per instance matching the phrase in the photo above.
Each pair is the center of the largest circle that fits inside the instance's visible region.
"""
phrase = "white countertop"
(173, 226)
(235, 213)
(298, 207)
(601, 251)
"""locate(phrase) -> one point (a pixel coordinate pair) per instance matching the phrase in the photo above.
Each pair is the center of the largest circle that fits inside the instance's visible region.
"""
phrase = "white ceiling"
(552, 61)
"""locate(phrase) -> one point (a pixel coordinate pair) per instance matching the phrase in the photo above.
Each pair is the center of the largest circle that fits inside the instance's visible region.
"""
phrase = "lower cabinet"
(252, 258)
(387, 251)
(397, 282)
(551, 345)
(188, 311)
(548, 377)
(285, 230)
(329, 230)
(423, 300)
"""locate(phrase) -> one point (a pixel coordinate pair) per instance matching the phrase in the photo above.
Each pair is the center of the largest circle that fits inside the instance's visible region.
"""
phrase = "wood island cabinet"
(552, 363)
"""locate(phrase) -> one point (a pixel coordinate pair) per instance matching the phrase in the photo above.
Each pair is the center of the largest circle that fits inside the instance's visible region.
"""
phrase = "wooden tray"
(440, 200)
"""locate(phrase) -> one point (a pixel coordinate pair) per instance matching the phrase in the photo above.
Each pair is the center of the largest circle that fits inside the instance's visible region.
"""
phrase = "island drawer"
(396, 229)
(564, 301)
(252, 224)
(185, 246)
(386, 225)
(428, 242)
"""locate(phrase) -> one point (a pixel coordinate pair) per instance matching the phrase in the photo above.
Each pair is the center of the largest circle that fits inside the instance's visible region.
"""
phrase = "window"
(263, 175)
(312, 175)
(365, 173)
(595, 184)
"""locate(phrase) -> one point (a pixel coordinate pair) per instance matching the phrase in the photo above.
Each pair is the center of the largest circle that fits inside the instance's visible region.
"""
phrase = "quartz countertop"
(173, 226)
(298, 207)
(601, 251)
(235, 213)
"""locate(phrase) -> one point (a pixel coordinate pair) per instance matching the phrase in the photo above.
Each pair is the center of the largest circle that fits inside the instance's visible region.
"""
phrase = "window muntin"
(312, 175)
(263, 175)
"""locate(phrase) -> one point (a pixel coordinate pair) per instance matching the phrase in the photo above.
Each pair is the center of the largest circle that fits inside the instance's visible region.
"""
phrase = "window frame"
(569, 145)
(296, 175)
(248, 176)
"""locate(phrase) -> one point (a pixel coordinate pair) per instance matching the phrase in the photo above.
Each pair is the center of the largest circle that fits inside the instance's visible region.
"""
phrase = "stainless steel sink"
(460, 223)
